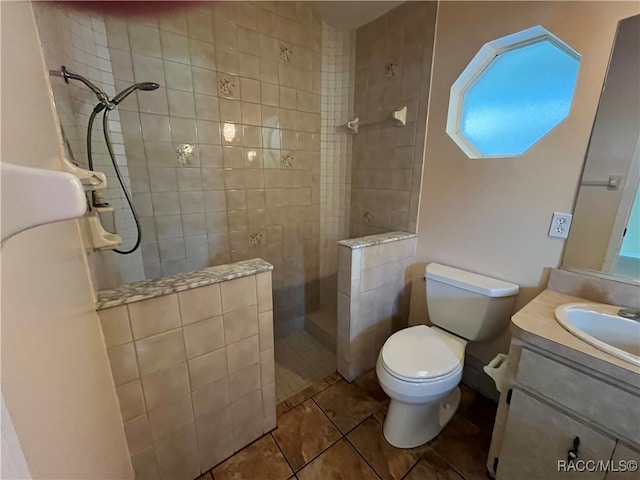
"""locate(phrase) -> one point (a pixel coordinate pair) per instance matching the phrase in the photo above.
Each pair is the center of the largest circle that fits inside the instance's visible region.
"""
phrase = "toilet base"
(410, 425)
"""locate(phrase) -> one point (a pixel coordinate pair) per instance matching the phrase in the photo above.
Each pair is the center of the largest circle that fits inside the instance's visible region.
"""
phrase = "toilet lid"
(421, 352)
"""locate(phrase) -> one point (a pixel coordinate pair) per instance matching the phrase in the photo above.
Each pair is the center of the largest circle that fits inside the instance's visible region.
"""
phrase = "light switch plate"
(560, 224)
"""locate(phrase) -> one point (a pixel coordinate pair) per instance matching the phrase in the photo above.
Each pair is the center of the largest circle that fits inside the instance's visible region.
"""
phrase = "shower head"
(105, 102)
(146, 86)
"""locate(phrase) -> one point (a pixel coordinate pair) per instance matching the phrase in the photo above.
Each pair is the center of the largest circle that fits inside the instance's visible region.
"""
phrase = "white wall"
(491, 216)
(55, 375)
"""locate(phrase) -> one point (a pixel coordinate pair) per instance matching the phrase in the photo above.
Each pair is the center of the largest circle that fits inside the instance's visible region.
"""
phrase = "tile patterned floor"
(333, 430)
(301, 360)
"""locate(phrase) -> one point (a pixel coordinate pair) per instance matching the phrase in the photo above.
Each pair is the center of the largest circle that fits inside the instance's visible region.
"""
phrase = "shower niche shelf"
(102, 239)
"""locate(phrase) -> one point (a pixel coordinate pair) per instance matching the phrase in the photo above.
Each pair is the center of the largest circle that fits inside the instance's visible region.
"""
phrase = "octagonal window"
(515, 90)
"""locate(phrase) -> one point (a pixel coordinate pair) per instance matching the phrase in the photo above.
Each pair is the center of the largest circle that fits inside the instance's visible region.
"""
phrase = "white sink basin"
(601, 326)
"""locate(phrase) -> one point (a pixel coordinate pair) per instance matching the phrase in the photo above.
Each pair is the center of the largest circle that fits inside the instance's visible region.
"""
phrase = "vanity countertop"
(535, 323)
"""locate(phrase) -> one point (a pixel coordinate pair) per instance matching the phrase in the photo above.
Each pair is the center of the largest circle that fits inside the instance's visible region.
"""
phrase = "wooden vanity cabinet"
(538, 437)
(549, 405)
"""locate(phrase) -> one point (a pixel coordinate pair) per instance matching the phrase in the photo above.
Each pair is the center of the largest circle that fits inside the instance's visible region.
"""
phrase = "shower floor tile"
(301, 360)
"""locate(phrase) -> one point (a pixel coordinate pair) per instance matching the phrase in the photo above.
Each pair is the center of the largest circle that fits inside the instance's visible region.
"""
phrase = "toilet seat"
(422, 354)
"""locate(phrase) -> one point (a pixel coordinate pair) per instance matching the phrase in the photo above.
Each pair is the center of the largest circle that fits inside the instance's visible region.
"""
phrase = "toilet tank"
(469, 305)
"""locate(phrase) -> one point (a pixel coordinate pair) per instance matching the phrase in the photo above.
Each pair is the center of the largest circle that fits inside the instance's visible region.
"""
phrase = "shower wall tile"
(153, 316)
(392, 69)
(115, 326)
(337, 62)
(131, 400)
(197, 393)
(226, 92)
(77, 40)
(123, 363)
(217, 61)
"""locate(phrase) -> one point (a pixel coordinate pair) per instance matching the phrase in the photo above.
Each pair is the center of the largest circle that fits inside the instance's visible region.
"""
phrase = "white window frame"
(477, 66)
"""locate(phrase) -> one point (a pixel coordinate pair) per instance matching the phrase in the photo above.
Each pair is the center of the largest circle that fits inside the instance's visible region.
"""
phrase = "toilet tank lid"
(473, 282)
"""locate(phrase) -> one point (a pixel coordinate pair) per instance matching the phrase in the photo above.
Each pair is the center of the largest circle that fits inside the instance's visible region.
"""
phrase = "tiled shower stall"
(242, 152)
(224, 160)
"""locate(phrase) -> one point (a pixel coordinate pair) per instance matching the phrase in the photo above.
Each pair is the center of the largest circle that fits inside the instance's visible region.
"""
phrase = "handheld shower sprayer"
(113, 103)
(103, 98)
(107, 104)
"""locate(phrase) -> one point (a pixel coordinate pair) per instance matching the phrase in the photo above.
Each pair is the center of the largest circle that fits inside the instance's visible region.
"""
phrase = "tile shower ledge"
(137, 291)
(371, 240)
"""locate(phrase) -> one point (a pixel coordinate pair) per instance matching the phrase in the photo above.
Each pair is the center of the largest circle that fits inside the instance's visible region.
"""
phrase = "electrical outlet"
(560, 224)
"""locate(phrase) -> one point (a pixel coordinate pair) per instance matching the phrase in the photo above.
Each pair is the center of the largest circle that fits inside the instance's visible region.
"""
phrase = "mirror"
(605, 233)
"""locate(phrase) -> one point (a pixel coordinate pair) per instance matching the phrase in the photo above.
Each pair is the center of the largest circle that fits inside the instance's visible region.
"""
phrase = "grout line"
(362, 456)
(281, 451)
(458, 471)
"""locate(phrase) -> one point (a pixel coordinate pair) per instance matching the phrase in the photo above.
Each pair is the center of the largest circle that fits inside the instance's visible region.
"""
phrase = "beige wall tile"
(267, 367)
(170, 417)
(356, 263)
(269, 400)
(207, 368)
(115, 326)
(265, 324)
(204, 336)
(177, 454)
(269, 423)
(144, 463)
(160, 352)
(244, 382)
(370, 257)
(243, 353)
(265, 294)
(238, 293)
(346, 322)
(215, 437)
(166, 385)
(209, 399)
(241, 323)
(200, 303)
(131, 399)
(369, 279)
(246, 416)
(344, 281)
(153, 316)
(123, 363)
(246, 433)
(138, 434)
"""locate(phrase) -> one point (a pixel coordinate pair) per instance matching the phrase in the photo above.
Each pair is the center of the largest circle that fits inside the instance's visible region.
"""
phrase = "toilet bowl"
(420, 367)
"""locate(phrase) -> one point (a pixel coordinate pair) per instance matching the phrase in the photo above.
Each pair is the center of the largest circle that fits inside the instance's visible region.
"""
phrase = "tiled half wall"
(373, 297)
(194, 372)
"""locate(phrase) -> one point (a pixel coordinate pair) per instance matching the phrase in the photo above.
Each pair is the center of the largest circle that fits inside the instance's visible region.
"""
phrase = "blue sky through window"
(521, 96)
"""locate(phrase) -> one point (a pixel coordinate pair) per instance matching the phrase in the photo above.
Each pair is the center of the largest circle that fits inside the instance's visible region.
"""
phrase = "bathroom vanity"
(567, 407)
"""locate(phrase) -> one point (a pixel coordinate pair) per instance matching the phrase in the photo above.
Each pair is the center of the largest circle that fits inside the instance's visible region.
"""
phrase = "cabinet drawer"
(537, 437)
(594, 400)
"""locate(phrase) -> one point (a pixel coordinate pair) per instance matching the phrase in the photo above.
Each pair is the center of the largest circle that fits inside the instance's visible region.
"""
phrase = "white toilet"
(420, 367)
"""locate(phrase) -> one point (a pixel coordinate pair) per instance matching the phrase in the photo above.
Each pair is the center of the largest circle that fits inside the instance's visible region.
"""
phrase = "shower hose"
(107, 139)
